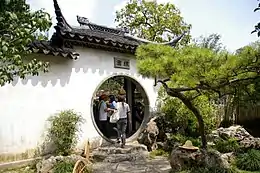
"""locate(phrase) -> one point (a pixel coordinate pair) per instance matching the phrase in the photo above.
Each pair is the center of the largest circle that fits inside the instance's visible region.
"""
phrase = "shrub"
(210, 170)
(226, 146)
(63, 131)
(249, 161)
(213, 170)
(63, 167)
(178, 118)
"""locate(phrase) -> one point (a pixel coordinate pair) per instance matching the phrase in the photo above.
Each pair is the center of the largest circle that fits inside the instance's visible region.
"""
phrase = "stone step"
(158, 165)
(131, 159)
(116, 149)
(116, 154)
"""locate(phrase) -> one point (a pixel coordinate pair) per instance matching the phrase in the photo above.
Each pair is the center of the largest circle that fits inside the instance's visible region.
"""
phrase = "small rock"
(228, 157)
(149, 135)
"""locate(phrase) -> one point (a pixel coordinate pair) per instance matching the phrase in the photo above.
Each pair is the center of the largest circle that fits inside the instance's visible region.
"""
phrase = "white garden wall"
(26, 104)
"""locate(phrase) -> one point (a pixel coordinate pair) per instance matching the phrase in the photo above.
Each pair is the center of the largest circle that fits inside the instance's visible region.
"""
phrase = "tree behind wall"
(152, 21)
(18, 27)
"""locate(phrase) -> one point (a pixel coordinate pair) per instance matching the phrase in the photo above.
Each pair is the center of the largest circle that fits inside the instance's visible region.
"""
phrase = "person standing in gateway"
(103, 110)
(124, 113)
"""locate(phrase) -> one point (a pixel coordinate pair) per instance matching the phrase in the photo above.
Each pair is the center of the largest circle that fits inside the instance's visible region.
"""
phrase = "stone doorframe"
(146, 109)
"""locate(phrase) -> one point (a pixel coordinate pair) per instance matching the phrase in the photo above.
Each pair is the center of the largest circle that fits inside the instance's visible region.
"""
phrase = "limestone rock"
(182, 159)
(149, 135)
(237, 132)
(229, 157)
(213, 158)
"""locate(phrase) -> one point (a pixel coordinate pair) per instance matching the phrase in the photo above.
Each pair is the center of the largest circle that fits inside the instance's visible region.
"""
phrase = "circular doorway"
(135, 96)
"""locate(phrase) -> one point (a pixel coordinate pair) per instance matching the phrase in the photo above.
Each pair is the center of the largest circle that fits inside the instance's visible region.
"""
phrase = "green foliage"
(226, 146)
(210, 170)
(63, 167)
(66, 167)
(112, 85)
(249, 161)
(18, 28)
(185, 67)
(152, 21)
(181, 118)
(63, 130)
(213, 42)
(200, 70)
(158, 152)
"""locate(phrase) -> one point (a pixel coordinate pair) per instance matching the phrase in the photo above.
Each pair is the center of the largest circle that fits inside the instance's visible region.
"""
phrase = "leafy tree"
(192, 72)
(18, 27)
(152, 21)
(213, 42)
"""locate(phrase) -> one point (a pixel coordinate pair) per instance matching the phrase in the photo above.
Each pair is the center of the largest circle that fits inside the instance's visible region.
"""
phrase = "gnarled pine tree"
(193, 71)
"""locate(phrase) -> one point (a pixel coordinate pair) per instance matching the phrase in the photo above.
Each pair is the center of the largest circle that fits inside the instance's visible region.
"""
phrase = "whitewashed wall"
(26, 104)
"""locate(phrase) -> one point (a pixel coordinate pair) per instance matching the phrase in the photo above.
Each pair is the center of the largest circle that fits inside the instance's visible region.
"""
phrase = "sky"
(232, 19)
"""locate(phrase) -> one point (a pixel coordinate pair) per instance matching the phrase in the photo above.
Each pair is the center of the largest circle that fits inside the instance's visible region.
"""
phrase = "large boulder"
(149, 135)
(181, 159)
(236, 132)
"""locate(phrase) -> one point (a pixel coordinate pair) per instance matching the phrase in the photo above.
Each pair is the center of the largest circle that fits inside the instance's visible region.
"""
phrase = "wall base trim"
(18, 164)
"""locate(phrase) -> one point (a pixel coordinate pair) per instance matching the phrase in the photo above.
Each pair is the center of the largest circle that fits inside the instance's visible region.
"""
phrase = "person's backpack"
(114, 117)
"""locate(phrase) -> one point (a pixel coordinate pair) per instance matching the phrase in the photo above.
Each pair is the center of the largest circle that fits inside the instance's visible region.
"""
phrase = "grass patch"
(66, 167)
(226, 146)
(158, 152)
(249, 161)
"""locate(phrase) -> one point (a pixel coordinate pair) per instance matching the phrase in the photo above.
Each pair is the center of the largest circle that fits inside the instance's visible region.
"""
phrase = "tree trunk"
(196, 112)
(190, 106)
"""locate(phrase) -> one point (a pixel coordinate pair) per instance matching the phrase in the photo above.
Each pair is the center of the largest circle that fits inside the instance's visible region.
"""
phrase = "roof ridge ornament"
(172, 43)
(83, 20)
(61, 21)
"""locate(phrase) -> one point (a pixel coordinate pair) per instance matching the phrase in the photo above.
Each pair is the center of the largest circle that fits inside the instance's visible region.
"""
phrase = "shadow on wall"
(61, 69)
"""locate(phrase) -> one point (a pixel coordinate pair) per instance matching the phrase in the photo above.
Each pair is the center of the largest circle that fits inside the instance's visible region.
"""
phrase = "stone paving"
(157, 165)
(132, 159)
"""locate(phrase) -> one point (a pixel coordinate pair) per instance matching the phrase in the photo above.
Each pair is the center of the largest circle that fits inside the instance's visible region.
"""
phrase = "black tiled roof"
(101, 39)
(47, 48)
(105, 35)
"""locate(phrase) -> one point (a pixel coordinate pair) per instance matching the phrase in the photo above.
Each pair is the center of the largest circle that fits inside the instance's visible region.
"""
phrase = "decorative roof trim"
(126, 49)
(61, 21)
(46, 48)
(172, 43)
